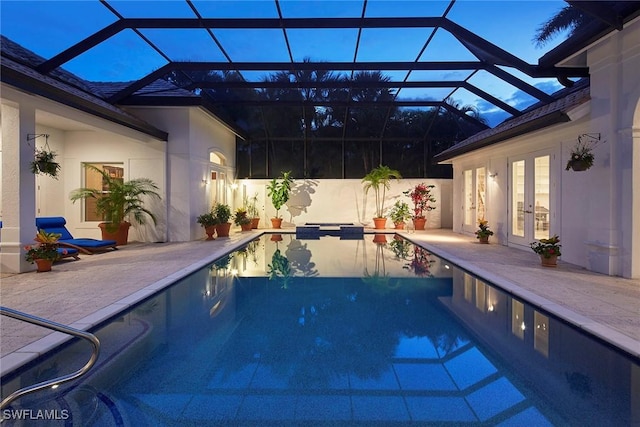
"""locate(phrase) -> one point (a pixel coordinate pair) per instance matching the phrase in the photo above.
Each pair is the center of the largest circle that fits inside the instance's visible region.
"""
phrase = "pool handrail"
(93, 340)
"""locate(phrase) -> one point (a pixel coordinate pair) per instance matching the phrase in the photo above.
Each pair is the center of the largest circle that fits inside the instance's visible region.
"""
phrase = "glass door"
(474, 202)
(530, 207)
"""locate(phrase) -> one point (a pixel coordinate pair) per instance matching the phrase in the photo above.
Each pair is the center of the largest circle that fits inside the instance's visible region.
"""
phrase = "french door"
(531, 201)
(474, 203)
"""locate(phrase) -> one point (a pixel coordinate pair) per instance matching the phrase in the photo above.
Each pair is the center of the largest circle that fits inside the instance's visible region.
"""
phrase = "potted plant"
(45, 252)
(400, 214)
(44, 163)
(581, 157)
(252, 210)
(548, 249)
(208, 221)
(278, 190)
(222, 213)
(121, 203)
(242, 219)
(483, 232)
(379, 179)
(421, 197)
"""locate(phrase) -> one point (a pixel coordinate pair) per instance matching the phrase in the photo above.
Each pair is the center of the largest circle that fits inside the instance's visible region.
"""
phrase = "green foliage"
(279, 268)
(123, 200)
(44, 163)
(46, 247)
(379, 179)
(252, 206)
(400, 212)
(241, 217)
(207, 220)
(547, 247)
(279, 189)
(483, 229)
(222, 212)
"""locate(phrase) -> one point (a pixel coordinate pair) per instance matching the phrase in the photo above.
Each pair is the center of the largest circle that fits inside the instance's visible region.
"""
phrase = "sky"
(49, 27)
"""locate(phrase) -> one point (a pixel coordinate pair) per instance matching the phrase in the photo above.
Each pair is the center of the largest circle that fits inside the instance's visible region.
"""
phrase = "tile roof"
(536, 117)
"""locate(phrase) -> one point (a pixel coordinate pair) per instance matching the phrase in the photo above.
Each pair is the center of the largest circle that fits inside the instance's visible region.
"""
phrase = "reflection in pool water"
(326, 332)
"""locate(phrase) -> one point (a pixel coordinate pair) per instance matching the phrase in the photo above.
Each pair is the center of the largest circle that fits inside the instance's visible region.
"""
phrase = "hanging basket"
(44, 164)
(579, 165)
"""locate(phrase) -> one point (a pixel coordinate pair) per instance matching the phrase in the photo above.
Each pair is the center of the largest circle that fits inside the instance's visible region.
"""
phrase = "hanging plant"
(44, 163)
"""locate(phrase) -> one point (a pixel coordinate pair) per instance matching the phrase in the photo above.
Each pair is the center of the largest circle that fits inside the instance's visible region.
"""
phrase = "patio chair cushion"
(56, 224)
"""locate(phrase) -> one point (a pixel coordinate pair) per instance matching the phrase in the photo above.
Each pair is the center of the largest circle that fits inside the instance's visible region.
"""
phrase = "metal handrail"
(93, 340)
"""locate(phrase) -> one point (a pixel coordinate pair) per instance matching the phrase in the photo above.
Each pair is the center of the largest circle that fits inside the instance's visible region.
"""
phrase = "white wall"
(139, 160)
(597, 211)
(193, 133)
(343, 201)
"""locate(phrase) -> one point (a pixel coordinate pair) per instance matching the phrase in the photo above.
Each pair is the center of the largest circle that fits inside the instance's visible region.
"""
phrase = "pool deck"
(85, 292)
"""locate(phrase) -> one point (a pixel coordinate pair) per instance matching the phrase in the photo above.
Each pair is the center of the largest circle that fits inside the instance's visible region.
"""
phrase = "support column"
(18, 187)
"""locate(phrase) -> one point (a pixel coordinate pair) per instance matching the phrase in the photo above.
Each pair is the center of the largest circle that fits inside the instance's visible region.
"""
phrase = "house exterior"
(182, 146)
(515, 176)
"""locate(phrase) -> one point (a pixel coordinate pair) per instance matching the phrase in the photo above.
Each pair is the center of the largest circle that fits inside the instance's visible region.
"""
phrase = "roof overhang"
(541, 122)
(27, 80)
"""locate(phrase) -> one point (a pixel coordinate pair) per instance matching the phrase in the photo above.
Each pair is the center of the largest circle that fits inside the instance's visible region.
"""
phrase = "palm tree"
(568, 18)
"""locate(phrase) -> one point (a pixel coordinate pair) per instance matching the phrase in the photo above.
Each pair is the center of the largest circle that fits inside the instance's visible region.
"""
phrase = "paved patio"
(85, 292)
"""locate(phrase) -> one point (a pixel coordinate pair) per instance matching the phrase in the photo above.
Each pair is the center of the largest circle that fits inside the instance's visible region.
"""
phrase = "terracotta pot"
(380, 239)
(399, 225)
(419, 223)
(276, 222)
(246, 227)
(121, 235)
(255, 222)
(380, 223)
(223, 229)
(43, 265)
(210, 230)
(552, 261)
(484, 240)
(276, 237)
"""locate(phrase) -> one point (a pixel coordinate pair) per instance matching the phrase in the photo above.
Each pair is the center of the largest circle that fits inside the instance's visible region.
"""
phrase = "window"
(93, 179)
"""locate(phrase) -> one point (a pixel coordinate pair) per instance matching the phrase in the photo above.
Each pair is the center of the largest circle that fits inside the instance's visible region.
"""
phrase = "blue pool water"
(334, 332)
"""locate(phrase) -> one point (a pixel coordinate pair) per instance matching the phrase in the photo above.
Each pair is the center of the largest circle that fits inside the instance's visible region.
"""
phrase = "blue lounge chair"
(56, 224)
(70, 252)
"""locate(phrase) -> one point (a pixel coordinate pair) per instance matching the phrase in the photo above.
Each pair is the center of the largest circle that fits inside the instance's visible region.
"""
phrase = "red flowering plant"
(422, 198)
(547, 248)
(421, 262)
(46, 247)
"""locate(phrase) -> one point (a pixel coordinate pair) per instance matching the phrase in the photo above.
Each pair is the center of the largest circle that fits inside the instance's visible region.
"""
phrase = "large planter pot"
(223, 229)
(552, 261)
(43, 265)
(276, 222)
(121, 235)
(246, 227)
(380, 223)
(419, 223)
(210, 230)
(399, 225)
(255, 222)
(484, 240)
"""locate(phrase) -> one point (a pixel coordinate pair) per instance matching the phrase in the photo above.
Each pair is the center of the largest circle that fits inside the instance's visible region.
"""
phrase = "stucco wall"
(344, 201)
(140, 160)
(597, 212)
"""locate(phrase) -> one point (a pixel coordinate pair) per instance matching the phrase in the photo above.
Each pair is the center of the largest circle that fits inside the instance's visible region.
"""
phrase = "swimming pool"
(338, 332)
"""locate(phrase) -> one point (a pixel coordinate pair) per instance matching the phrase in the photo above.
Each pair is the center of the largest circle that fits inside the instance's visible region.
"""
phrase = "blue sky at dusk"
(49, 27)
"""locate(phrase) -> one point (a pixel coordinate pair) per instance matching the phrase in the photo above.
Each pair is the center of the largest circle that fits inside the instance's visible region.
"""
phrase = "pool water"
(339, 332)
